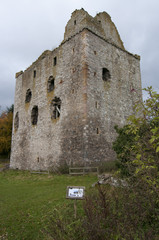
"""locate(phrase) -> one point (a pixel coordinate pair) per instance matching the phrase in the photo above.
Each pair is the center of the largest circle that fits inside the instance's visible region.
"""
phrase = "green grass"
(26, 201)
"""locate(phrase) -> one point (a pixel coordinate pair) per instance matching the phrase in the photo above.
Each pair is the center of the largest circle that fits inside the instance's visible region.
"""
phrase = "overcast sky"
(28, 27)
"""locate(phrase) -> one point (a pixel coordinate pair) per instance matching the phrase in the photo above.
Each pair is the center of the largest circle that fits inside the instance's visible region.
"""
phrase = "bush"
(121, 213)
(122, 146)
(62, 225)
(137, 145)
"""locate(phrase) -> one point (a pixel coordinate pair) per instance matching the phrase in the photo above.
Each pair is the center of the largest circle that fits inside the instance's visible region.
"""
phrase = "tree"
(6, 119)
(137, 145)
(10, 109)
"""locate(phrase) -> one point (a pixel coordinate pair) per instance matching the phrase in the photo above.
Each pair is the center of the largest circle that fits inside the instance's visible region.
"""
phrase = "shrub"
(63, 226)
(121, 213)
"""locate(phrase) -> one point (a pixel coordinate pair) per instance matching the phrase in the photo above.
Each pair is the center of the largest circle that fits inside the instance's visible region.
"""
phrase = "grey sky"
(28, 27)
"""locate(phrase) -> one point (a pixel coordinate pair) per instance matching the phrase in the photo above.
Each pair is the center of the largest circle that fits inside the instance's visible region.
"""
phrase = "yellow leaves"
(5, 132)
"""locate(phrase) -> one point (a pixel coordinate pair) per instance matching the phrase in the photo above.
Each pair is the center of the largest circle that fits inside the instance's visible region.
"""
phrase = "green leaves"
(157, 149)
(137, 145)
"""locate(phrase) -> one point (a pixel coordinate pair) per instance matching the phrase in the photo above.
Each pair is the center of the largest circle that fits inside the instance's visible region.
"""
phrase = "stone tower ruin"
(69, 100)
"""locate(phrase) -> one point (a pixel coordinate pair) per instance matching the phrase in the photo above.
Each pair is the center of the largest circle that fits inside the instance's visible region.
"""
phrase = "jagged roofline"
(108, 18)
(101, 25)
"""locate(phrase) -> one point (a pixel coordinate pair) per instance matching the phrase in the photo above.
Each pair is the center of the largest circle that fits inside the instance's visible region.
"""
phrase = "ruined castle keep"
(69, 100)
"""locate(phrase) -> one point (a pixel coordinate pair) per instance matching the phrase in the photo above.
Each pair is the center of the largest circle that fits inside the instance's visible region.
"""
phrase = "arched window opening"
(105, 74)
(51, 84)
(28, 96)
(56, 108)
(16, 121)
(34, 115)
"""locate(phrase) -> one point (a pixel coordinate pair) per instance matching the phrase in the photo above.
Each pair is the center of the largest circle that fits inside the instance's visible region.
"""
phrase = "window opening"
(74, 22)
(16, 121)
(51, 84)
(106, 74)
(28, 96)
(96, 104)
(56, 108)
(55, 61)
(97, 130)
(95, 52)
(34, 115)
(95, 74)
(34, 73)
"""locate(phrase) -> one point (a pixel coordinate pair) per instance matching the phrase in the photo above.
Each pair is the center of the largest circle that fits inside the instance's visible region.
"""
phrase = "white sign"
(75, 192)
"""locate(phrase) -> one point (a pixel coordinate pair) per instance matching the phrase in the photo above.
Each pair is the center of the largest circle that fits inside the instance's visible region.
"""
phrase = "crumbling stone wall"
(101, 25)
(96, 82)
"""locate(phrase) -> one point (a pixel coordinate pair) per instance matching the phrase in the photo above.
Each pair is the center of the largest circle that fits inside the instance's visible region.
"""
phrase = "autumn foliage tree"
(6, 119)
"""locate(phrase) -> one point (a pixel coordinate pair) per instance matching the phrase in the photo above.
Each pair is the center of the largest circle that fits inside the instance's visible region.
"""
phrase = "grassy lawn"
(27, 199)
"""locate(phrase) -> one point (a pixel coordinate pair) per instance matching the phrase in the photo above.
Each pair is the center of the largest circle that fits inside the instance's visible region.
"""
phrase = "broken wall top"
(101, 25)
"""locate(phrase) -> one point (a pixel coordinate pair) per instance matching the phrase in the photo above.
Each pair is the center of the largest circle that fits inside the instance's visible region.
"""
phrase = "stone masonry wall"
(90, 106)
(109, 102)
(51, 141)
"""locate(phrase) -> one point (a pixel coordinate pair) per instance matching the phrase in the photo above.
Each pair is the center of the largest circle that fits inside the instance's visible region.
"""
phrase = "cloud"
(29, 27)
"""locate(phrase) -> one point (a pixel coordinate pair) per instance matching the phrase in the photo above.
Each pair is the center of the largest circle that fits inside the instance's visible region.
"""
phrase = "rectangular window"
(55, 61)
(34, 73)
(96, 104)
